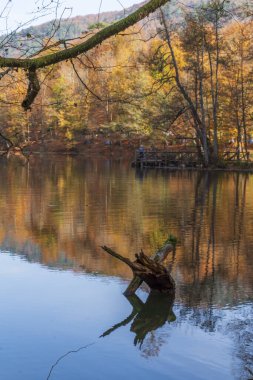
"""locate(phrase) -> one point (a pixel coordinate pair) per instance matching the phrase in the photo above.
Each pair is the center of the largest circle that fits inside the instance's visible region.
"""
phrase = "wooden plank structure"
(180, 158)
(153, 158)
(234, 155)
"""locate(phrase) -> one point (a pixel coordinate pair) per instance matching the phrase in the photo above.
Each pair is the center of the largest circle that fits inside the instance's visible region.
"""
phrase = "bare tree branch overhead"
(31, 62)
(98, 38)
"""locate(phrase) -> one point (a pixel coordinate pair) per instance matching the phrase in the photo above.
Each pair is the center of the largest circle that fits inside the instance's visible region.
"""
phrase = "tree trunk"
(199, 127)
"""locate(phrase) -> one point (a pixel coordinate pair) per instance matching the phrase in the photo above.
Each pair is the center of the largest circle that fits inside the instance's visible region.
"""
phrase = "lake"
(63, 314)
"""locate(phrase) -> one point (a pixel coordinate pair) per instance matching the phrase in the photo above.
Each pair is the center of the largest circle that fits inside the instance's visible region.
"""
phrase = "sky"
(20, 11)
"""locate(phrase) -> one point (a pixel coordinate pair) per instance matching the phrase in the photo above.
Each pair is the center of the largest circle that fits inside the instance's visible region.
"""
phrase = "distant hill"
(77, 26)
(66, 29)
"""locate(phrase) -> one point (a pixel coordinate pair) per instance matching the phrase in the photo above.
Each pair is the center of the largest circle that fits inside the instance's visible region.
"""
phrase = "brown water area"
(60, 212)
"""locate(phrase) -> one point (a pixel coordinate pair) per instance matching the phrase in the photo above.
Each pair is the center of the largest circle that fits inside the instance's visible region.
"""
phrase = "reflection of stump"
(156, 311)
(149, 270)
(148, 316)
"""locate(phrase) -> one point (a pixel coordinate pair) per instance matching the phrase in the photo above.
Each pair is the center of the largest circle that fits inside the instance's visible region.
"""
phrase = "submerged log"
(147, 269)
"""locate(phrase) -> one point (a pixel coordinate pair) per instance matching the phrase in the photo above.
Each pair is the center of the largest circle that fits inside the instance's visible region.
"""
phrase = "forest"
(183, 74)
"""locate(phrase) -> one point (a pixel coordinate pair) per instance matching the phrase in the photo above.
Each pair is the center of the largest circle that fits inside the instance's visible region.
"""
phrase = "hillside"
(30, 40)
(75, 26)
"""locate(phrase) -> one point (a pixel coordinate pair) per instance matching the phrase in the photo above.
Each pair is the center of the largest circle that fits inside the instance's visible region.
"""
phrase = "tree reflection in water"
(241, 331)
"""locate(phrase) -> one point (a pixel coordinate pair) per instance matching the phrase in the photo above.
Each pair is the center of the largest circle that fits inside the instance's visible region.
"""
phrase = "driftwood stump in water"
(148, 269)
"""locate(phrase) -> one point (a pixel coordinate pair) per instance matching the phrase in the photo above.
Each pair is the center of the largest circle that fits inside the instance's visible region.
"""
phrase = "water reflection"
(241, 330)
(58, 212)
(147, 317)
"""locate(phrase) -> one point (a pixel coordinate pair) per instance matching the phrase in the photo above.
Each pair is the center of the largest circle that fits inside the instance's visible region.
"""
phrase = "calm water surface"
(63, 315)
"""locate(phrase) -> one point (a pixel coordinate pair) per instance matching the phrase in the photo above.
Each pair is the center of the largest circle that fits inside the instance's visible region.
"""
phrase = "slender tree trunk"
(216, 97)
(201, 92)
(237, 117)
(200, 129)
(244, 120)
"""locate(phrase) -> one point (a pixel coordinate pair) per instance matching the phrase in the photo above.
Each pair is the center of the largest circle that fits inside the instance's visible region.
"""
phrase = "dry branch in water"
(147, 269)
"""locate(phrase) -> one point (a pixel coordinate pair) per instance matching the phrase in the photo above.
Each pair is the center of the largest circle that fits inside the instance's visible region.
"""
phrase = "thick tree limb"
(97, 39)
(33, 89)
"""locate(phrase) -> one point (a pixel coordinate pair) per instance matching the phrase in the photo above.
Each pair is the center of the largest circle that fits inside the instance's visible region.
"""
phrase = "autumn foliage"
(128, 86)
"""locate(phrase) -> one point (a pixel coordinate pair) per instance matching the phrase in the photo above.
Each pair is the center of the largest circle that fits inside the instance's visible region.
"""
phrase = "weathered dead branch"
(148, 269)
